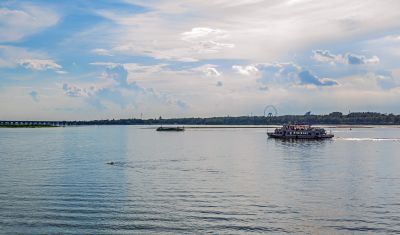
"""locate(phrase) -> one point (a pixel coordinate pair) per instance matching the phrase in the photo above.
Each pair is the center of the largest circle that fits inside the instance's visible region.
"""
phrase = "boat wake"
(368, 139)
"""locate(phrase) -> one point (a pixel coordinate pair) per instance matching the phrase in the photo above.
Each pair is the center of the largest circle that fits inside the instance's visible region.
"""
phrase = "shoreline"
(152, 126)
(275, 126)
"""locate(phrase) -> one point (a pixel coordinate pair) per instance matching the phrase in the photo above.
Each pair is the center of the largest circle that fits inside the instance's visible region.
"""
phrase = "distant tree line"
(357, 118)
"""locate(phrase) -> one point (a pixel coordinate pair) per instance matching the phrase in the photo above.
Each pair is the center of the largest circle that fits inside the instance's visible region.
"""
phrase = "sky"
(85, 60)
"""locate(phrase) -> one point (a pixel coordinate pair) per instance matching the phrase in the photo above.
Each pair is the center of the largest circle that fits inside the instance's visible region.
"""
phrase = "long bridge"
(34, 123)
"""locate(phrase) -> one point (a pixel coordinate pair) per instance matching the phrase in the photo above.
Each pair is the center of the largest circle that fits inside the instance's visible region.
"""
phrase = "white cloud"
(307, 78)
(212, 72)
(17, 24)
(208, 69)
(282, 74)
(76, 91)
(271, 71)
(245, 70)
(102, 51)
(10, 56)
(347, 58)
(210, 46)
(105, 64)
(207, 40)
(203, 33)
(118, 89)
(249, 30)
(325, 56)
(387, 80)
(61, 72)
(360, 59)
(39, 64)
(140, 72)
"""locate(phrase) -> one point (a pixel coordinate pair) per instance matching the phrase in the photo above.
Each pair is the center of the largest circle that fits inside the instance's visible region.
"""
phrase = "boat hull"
(170, 129)
(308, 137)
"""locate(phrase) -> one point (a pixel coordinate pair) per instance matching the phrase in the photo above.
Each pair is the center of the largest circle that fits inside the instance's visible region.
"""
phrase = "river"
(223, 181)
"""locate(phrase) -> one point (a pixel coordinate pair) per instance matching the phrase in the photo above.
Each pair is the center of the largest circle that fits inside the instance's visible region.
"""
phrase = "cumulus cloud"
(140, 71)
(166, 98)
(96, 96)
(11, 56)
(270, 72)
(203, 33)
(268, 69)
(347, 58)
(208, 69)
(76, 91)
(40, 64)
(282, 74)
(306, 77)
(18, 23)
(121, 90)
(206, 40)
(245, 70)
(212, 72)
(386, 79)
(360, 59)
(279, 71)
(325, 56)
(119, 75)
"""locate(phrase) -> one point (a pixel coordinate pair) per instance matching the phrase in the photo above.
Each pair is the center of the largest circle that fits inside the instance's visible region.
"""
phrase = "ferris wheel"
(270, 111)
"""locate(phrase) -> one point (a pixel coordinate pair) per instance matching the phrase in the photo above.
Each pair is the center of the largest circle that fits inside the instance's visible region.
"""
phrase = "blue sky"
(68, 60)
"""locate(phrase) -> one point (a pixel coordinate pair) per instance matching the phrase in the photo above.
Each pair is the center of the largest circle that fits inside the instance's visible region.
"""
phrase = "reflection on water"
(202, 180)
(302, 143)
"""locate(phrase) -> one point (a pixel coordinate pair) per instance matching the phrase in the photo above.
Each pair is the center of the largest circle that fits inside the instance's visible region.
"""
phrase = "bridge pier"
(33, 123)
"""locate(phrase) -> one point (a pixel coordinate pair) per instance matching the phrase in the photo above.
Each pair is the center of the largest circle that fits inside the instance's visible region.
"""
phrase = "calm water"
(233, 181)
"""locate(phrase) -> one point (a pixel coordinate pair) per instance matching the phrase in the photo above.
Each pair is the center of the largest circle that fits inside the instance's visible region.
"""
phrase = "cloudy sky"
(67, 60)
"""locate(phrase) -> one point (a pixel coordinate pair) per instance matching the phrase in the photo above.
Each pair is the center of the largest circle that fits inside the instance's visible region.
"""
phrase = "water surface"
(224, 181)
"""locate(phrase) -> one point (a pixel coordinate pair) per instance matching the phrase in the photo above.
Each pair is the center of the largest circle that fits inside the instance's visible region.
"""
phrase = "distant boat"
(170, 128)
(300, 132)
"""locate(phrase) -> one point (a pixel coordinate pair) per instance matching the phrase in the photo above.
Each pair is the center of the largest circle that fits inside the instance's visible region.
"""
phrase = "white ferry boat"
(300, 132)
